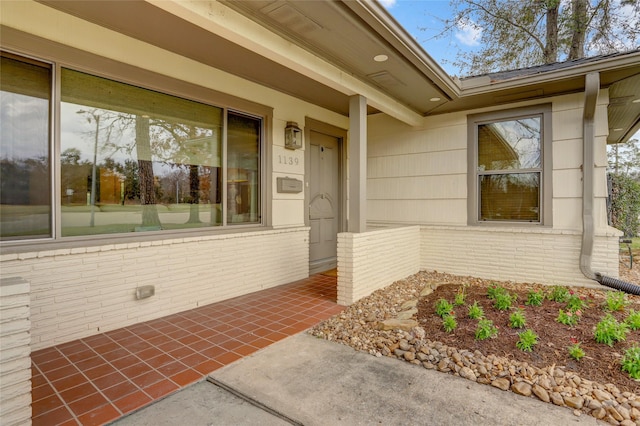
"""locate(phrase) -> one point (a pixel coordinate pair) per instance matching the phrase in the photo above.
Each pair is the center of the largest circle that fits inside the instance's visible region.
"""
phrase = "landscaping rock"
(541, 393)
(521, 388)
(396, 324)
(503, 384)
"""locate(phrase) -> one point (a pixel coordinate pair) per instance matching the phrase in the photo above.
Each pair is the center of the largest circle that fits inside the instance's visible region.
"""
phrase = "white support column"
(357, 164)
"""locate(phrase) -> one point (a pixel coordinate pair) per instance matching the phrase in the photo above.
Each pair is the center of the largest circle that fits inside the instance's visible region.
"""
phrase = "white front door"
(324, 201)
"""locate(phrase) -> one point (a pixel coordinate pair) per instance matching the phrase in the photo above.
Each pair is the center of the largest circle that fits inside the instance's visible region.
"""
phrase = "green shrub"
(609, 330)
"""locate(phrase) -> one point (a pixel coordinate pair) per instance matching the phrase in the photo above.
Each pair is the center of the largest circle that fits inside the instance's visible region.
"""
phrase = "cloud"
(388, 4)
(469, 33)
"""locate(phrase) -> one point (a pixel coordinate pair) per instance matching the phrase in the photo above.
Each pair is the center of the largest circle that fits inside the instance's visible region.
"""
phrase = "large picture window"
(509, 156)
(131, 159)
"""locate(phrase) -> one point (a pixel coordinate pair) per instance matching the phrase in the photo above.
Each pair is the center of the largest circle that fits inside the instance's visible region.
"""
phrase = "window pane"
(243, 172)
(510, 145)
(136, 160)
(25, 173)
(510, 197)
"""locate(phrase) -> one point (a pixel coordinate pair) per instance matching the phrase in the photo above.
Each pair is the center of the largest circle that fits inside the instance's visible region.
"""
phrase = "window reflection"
(25, 173)
(136, 160)
(243, 159)
(509, 169)
(511, 197)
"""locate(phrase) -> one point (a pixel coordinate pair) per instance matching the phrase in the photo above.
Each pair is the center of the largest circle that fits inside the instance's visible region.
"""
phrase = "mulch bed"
(601, 363)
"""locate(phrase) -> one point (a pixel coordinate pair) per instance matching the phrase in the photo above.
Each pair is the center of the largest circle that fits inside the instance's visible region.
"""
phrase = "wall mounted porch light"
(292, 136)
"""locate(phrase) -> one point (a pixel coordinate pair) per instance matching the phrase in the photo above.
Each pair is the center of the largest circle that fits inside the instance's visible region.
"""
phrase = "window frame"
(58, 57)
(543, 111)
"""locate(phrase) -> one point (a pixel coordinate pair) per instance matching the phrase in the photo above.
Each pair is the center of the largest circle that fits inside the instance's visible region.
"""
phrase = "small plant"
(609, 330)
(461, 295)
(517, 319)
(494, 291)
(486, 329)
(633, 320)
(568, 318)
(616, 301)
(449, 323)
(631, 362)
(475, 311)
(558, 294)
(534, 298)
(576, 352)
(443, 308)
(503, 301)
(528, 339)
(576, 303)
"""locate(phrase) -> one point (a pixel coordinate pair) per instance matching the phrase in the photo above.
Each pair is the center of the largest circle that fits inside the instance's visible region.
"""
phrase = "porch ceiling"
(348, 35)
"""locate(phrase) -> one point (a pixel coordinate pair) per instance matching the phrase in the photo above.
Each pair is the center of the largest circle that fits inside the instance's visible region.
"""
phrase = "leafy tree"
(624, 179)
(624, 206)
(522, 33)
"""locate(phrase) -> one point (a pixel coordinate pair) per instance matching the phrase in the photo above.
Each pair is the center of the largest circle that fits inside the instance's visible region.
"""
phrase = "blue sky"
(421, 18)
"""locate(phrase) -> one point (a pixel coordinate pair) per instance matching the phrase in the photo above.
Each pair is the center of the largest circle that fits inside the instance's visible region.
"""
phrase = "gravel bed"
(383, 324)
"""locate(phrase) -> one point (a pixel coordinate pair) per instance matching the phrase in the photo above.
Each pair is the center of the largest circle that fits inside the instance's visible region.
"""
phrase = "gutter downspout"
(592, 88)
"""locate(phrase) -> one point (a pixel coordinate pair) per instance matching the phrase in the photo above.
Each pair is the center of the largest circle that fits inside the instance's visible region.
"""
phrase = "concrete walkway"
(305, 380)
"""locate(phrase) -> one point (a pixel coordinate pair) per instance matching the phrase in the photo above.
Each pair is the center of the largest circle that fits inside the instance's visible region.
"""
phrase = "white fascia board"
(237, 28)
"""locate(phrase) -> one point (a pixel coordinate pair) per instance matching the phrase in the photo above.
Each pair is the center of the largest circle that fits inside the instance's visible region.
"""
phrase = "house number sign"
(288, 161)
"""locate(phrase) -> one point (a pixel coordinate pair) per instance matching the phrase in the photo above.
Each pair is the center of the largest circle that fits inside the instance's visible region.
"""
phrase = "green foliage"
(486, 329)
(494, 291)
(461, 295)
(576, 303)
(576, 352)
(633, 320)
(443, 308)
(475, 311)
(517, 319)
(449, 323)
(616, 301)
(624, 209)
(631, 362)
(503, 301)
(568, 318)
(609, 330)
(527, 340)
(535, 298)
(558, 294)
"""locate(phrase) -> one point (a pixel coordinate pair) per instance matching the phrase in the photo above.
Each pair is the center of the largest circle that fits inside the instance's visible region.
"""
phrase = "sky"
(422, 19)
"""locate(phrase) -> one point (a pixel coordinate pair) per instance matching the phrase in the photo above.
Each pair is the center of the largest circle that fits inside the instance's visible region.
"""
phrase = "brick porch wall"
(15, 361)
(545, 256)
(372, 260)
(79, 292)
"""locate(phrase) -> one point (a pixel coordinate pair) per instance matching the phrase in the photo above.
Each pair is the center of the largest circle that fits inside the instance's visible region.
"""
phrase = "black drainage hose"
(618, 284)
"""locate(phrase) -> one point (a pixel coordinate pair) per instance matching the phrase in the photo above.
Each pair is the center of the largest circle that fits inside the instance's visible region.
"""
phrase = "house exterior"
(159, 156)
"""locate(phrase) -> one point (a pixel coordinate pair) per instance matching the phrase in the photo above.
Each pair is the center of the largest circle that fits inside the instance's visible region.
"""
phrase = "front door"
(324, 201)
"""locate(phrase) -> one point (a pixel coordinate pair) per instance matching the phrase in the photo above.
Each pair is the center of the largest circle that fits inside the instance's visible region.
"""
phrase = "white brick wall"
(83, 291)
(519, 254)
(371, 260)
(15, 361)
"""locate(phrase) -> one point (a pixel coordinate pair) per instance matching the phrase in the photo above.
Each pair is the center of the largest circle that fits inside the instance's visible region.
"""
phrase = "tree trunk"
(551, 48)
(579, 18)
(194, 194)
(150, 216)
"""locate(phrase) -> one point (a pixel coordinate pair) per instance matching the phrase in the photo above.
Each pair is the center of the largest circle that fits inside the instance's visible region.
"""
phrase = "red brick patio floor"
(101, 378)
